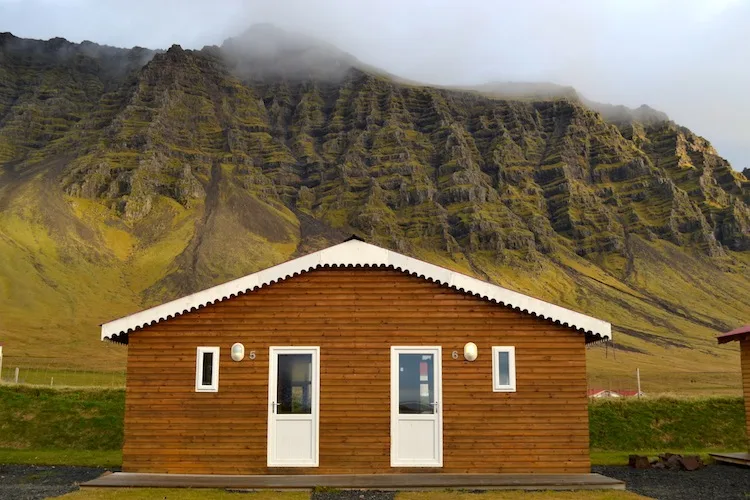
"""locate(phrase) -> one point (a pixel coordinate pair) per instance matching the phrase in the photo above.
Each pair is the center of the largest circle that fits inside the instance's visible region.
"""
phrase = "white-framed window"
(207, 369)
(504, 369)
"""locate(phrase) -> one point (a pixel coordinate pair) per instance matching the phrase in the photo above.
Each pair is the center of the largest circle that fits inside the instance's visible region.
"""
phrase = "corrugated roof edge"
(356, 253)
(737, 334)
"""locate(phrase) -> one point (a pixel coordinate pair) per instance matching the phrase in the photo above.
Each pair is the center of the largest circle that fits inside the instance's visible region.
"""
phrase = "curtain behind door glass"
(416, 384)
(294, 384)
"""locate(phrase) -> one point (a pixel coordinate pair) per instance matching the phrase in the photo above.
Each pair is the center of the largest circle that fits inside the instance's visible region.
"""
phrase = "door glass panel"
(416, 383)
(503, 366)
(208, 368)
(294, 386)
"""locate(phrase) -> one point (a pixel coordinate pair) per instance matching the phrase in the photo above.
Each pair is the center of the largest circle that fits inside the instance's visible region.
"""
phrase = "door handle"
(274, 404)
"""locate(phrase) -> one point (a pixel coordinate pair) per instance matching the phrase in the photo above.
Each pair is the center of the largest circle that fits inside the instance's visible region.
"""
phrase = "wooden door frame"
(395, 351)
(273, 351)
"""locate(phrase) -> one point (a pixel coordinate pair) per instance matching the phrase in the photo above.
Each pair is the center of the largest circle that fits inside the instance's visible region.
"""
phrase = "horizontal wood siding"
(745, 365)
(355, 316)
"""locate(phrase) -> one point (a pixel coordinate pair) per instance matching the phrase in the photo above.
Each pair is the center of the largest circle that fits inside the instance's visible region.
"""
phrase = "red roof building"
(740, 333)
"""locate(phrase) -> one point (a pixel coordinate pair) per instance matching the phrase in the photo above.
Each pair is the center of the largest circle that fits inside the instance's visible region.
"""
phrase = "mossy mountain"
(130, 176)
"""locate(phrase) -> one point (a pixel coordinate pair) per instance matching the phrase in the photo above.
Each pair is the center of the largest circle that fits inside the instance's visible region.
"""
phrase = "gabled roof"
(594, 392)
(356, 253)
(614, 393)
(737, 334)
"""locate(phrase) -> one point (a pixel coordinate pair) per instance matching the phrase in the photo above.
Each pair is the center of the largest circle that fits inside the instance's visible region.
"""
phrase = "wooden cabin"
(741, 335)
(356, 360)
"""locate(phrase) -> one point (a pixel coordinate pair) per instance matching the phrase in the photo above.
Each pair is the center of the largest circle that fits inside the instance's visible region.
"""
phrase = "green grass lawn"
(61, 419)
(180, 494)
(84, 458)
(519, 495)
(621, 457)
(666, 424)
(213, 494)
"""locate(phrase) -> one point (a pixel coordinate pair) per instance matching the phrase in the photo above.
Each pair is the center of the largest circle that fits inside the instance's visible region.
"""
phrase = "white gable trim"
(355, 253)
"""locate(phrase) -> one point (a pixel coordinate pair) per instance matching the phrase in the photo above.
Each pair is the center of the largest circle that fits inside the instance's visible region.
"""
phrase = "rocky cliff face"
(212, 163)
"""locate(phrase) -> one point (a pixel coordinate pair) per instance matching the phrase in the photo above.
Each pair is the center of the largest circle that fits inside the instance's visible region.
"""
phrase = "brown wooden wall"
(745, 364)
(355, 316)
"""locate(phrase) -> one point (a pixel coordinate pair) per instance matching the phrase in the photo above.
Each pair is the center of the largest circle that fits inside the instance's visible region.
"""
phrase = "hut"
(741, 335)
(356, 361)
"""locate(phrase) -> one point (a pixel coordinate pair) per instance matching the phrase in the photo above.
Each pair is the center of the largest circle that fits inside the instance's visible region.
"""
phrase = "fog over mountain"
(685, 58)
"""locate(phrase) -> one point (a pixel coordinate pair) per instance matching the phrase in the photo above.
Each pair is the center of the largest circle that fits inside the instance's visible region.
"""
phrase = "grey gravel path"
(32, 482)
(720, 482)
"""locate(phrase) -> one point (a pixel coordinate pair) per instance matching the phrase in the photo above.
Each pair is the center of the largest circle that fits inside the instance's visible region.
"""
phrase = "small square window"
(207, 369)
(504, 369)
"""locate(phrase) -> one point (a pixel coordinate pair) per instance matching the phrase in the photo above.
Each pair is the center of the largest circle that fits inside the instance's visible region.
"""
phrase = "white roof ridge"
(357, 253)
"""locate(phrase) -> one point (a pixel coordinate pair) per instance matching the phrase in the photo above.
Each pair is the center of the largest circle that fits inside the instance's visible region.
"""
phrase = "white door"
(416, 409)
(293, 406)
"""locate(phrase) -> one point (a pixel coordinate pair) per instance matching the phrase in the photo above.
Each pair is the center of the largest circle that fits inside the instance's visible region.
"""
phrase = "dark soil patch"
(32, 482)
(726, 482)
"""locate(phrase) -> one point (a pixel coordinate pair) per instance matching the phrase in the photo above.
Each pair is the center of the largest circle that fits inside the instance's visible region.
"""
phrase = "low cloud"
(688, 58)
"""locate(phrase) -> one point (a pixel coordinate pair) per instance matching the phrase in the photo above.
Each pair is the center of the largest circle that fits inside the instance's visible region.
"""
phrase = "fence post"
(52, 381)
(638, 377)
(16, 379)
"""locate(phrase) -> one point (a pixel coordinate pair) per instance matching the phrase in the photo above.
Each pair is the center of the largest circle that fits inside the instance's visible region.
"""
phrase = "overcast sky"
(688, 58)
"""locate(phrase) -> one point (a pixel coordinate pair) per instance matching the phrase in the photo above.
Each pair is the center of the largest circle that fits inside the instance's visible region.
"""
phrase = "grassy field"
(181, 494)
(84, 426)
(621, 457)
(517, 495)
(187, 494)
(84, 458)
(667, 424)
(61, 419)
(662, 381)
(56, 377)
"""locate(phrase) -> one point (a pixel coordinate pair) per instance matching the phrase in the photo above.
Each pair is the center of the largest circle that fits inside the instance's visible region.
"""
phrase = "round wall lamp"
(470, 351)
(238, 352)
